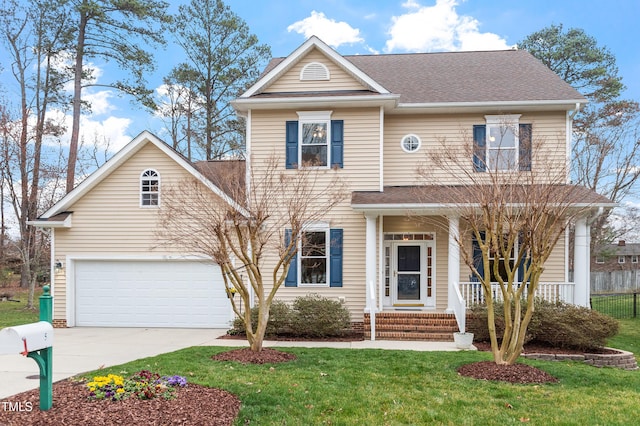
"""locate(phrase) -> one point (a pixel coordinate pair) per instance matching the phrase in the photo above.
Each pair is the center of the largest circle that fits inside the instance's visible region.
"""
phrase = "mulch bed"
(247, 356)
(193, 405)
(515, 373)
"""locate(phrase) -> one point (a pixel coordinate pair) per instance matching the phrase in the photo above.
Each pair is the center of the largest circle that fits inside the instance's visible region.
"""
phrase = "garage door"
(150, 294)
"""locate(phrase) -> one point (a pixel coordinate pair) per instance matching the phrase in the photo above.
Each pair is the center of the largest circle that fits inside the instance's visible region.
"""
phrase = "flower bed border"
(622, 359)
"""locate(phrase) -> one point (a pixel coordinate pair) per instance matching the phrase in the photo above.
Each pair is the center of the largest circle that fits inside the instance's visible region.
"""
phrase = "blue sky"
(388, 26)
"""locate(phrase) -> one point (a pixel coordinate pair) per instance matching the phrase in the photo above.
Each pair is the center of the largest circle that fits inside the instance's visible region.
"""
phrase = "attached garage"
(149, 293)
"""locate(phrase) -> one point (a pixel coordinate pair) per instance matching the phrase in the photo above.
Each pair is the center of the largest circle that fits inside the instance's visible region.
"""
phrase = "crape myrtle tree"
(606, 148)
(511, 217)
(251, 231)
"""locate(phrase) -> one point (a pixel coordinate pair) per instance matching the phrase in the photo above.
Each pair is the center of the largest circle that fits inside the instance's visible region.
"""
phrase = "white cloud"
(438, 28)
(328, 30)
(112, 130)
(99, 101)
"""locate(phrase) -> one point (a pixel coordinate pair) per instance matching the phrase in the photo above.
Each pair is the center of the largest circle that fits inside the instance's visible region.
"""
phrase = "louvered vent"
(315, 71)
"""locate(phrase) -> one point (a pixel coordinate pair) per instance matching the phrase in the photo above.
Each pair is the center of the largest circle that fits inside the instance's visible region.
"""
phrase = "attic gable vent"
(315, 71)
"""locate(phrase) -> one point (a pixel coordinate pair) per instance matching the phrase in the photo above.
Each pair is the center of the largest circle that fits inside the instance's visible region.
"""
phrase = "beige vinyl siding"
(361, 143)
(457, 131)
(108, 221)
(290, 81)
(361, 171)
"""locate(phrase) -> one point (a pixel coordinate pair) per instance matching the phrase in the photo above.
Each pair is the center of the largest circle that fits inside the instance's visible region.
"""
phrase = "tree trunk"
(77, 103)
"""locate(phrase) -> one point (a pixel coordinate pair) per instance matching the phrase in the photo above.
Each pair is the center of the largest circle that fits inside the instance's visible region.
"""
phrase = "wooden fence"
(615, 282)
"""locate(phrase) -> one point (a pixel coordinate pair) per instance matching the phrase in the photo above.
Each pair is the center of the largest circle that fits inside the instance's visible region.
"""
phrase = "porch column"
(453, 262)
(581, 264)
(370, 262)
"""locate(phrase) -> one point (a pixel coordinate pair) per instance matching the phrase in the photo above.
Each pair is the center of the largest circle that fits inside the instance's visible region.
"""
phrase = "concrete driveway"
(81, 349)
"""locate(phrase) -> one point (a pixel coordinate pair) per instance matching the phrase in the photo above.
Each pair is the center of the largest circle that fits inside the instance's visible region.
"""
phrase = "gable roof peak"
(311, 43)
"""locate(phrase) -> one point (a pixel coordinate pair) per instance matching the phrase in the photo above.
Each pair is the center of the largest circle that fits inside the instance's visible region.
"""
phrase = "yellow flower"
(120, 390)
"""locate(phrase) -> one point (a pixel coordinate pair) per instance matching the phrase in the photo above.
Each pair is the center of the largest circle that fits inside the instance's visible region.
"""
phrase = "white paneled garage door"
(188, 294)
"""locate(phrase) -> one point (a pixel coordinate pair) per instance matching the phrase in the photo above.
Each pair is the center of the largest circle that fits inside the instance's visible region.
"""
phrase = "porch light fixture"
(58, 265)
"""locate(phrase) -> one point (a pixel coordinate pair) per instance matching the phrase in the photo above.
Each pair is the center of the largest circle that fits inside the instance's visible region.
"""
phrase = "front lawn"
(15, 313)
(384, 387)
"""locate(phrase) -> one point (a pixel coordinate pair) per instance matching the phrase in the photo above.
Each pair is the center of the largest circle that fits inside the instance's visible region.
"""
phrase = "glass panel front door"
(409, 273)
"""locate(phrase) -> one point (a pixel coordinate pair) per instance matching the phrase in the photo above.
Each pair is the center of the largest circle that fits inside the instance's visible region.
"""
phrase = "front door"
(413, 274)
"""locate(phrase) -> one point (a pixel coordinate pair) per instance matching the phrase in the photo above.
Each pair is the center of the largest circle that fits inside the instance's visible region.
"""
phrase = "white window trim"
(404, 148)
(142, 177)
(316, 227)
(306, 117)
(634, 258)
(621, 259)
(503, 121)
(599, 259)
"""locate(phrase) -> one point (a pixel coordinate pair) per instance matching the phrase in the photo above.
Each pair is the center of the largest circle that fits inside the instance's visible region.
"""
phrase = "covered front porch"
(415, 275)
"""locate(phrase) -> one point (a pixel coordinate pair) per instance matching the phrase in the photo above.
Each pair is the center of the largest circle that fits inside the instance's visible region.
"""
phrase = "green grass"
(384, 387)
(628, 338)
(15, 313)
(617, 306)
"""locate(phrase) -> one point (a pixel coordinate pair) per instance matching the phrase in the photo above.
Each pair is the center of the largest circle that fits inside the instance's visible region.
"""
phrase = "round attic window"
(410, 143)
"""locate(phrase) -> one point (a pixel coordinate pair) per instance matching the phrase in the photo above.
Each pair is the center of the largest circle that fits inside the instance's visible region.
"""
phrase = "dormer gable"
(313, 66)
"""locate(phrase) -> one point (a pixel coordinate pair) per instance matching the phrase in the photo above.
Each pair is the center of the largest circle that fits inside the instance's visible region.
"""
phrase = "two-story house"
(371, 118)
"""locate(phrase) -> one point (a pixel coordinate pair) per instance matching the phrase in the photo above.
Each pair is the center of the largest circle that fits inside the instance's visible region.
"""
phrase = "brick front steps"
(624, 360)
(398, 325)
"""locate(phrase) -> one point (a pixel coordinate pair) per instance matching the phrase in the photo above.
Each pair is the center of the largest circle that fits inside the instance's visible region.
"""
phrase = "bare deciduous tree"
(511, 218)
(243, 230)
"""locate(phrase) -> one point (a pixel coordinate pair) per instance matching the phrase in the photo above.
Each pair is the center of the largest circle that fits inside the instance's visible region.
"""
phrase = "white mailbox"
(22, 339)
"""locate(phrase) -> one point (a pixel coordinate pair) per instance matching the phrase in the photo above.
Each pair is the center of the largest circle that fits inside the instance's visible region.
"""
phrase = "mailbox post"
(44, 356)
(35, 341)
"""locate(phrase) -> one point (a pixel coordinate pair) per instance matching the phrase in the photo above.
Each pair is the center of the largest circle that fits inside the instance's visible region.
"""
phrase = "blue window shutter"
(524, 138)
(292, 145)
(525, 262)
(291, 279)
(337, 143)
(477, 257)
(479, 147)
(335, 257)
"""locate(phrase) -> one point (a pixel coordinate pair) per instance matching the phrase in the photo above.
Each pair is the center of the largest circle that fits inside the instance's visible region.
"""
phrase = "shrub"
(556, 324)
(317, 316)
(279, 318)
(308, 316)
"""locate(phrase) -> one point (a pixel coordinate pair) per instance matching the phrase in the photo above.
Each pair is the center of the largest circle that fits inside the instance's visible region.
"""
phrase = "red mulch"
(518, 373)
(193, 405)
(247, 356)
(515, 373)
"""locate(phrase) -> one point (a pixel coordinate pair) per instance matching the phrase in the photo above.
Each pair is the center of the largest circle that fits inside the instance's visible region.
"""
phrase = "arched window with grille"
(149, 188)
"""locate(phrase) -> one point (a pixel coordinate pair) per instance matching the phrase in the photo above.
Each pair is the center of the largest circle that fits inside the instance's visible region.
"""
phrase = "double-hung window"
(314, 140)
(314, 143)
(313, 257)
(502, 144)
(318, 261)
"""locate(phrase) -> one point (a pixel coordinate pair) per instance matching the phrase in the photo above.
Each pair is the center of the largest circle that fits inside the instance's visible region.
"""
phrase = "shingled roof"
(451, 195)
(462, 77)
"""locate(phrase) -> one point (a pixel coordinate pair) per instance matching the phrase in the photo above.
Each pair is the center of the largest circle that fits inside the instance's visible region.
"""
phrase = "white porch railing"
(459, 309)
(552, 292)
